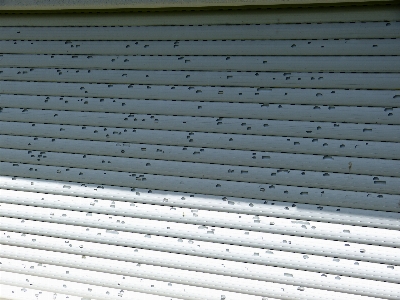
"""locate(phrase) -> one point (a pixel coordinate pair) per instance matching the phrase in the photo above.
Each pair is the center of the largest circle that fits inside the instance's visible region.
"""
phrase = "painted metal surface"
(272, 208)
(384, 64)
(222, 161)
(388, 11)
(362, 47)
(280, 161)
(363, 147)
(382, 81)
(365, 30)
(262, 95)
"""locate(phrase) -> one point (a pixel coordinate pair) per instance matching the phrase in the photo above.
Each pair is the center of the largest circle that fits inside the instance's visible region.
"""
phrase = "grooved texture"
(235, 156)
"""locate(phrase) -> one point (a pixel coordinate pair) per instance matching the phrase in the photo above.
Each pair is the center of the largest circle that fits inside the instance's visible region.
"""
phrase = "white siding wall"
(209, 160)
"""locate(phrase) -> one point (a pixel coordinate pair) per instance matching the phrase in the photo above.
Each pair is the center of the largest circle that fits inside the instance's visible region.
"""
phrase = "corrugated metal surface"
(201, 162)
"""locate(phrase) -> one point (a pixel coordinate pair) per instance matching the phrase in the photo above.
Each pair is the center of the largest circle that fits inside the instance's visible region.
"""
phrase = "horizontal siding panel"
(383, 64)
(271, 208)
(364, 30)
(266, 191)
(62, 286)
(141, 285)
(206, 140)
(249, 47)
(324, 113)
(201, 155)
(194, 125)
(248, 79)
(233, 284)
(376, 98)
(360, 252)
(185, 17)
(164, 288)
(150, 272)
(220, 235)
(280, 161)
(291, 177)
(11, 292)
(96, 215)
(276, 259)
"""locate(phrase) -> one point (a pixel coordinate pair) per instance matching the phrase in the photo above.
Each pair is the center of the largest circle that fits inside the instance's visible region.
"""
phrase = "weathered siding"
(247, 158)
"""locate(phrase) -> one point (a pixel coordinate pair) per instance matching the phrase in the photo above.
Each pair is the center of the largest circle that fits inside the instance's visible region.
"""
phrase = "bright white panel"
(10, 292)
(345, 250)
(234, 284)
(199, 224)
(74, 288)
(333, 214)
(287, 260)
(160, 287)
